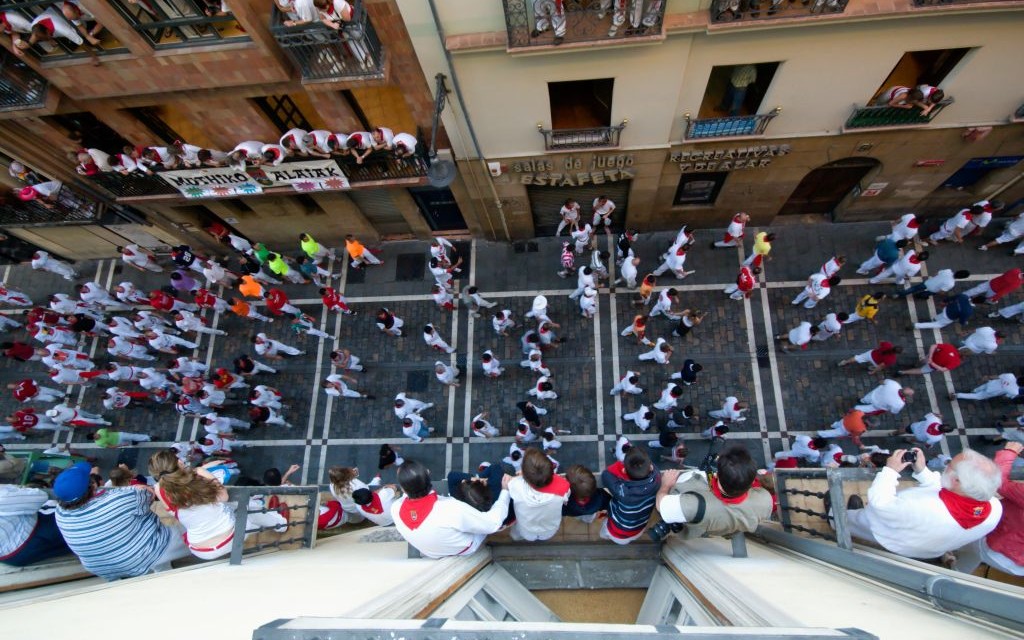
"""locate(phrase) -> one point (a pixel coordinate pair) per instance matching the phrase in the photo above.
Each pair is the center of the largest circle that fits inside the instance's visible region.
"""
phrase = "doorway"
(439, 208)
(821, 190)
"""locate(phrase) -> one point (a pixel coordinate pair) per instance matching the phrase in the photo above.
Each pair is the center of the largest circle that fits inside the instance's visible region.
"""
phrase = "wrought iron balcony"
(323, 54)
(593, 21)
(20, 86)
(378, 166)
(730, 10)
(729, 127)
(60, 46)
(941, 3)
(883, 116)
(70, 207)
(566, 139)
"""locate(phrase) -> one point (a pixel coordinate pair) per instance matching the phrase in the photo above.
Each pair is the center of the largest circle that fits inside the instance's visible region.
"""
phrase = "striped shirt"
(115, 534)
(18, 509)
(632, 501)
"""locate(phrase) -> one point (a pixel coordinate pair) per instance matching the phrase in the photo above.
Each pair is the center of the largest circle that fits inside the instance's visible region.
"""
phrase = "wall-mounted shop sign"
(573, 171)
(728, 159)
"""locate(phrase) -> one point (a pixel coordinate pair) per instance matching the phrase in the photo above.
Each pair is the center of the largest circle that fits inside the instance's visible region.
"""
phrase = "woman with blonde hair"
(200, 503)
(344, 482)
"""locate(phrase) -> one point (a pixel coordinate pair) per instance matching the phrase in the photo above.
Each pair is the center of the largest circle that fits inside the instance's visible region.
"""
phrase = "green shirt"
(262, 252)
(108, 438)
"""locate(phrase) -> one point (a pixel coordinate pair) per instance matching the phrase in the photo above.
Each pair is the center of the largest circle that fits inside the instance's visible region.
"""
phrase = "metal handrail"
(585, 21)
(310, 512)
(886, 116)
(30, 9)
(724, 11)
(562, 139)
(70, 208)
(322, 53)
(730, 126)
(20, 86)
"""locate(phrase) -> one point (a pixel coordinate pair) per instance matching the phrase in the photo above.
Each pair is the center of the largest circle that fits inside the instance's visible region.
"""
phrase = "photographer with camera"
(943, 513)
(712, 503)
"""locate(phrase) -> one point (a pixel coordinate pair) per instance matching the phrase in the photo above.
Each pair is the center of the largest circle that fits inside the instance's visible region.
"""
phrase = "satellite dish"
(441, 173)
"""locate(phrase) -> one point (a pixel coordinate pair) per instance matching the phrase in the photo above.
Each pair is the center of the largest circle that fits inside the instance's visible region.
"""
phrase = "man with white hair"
(943, 513)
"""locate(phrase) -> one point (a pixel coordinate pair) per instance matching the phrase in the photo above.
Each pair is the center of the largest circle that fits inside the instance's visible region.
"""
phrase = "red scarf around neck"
(717, 490)
(967, 512)
(414, 511)
(375, 506)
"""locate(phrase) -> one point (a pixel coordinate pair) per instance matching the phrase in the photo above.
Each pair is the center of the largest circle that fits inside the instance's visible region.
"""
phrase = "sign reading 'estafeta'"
(220, 182)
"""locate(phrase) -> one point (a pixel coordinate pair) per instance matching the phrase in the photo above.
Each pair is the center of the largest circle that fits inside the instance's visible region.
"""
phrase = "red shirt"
(1006, 283)
(160, 300)
(946, 356)
(881, 357)
(745, 280)
(276, 299)
(330, 299)
(205, 299)
(24, 419)
(25, 390)
(20, 351)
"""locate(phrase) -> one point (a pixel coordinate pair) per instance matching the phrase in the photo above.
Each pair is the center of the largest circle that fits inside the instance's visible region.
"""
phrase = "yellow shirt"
(867, 307)
(761, 246)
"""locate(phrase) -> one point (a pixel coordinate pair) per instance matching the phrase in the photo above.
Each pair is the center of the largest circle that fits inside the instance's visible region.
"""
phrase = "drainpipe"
(465, 114)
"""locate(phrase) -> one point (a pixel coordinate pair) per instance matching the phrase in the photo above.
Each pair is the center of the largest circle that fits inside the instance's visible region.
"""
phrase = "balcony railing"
(593, 21)
(729, 10)
(565, 139)
(20, 86)
(732, 126)
(378, 166)
(940, 3)
(322, 53)
(298, 505)
(70, 208)
(60, 48)
(883, 116)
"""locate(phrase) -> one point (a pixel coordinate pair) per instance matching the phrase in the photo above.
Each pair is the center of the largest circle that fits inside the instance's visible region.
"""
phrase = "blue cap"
(73, 482)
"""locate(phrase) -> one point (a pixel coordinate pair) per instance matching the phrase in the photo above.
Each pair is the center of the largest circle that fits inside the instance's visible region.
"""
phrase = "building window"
(699, 188)
(581, 104)
(86, 131)
(737, 90)
(917, 68)
(283, 112)
(175, 23)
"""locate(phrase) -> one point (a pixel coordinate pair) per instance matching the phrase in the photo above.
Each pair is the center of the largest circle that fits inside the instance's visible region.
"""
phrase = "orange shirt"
(241, 308)
(853, 422)
(354, 248)
(646, 289)
(250, 287)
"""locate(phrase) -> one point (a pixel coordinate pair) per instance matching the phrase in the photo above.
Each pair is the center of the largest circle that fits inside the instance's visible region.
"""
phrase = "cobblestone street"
(788, 393)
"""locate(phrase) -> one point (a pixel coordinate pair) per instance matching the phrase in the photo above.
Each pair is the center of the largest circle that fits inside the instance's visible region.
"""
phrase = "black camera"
(910, 456)
(664, 529)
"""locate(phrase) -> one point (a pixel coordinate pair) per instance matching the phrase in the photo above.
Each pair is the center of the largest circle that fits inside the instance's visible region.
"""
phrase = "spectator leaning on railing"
(1003, 549)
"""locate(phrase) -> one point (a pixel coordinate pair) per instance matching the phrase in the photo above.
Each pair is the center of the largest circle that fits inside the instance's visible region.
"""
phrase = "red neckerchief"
(933, 429)
(414, 511)
(558, 486)
(967, 512)
(375, 506)
(717, 490)
(914, 259)
(912, 224)
(619, 471)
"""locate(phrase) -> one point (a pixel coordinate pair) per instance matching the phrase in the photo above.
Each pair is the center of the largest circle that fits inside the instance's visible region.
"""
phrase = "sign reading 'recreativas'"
(219, 182)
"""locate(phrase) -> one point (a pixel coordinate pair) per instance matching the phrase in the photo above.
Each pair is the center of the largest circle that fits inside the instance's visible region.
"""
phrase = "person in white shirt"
(535, 363)
(628, 270)
(166, 343)
(479, 426)
(491, 365)
(188, 367)
(264, 396)
(415, 428)
(446, 375)
(887, 397)
(543, 389)
(442, 526)
(135, 256)
(984, 340)
(581, 237)
(187, 321)
(908, 266)
(981, 219)
(732, 410)
(434, 339)
(125, 348)
(817, 289)
(274, 154)
(797, 338)
(538, 494)
(602, 209)
(539, 310)
(360, 144)
(905, 228)
(334, 385)
(217, 425)
(1014, 231)
(514, 458)
(272, 348)
(294, 141)
(661, 353)
(94, 294)
(954, 228)
(830, 326)
(43, 261)
(942, 282)
(502, 322)
(929, 430)
(376, 505)
(248, 152)
(128, 294)
(1004, 384)
(642, 417)
(945, 512)
(588, 303)
(405, 145)
(666, 298)
(54, 355)
(627, 384)
(805, 447)
(669, 396)
(570, 213)
(150, 320)
(404, 405)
